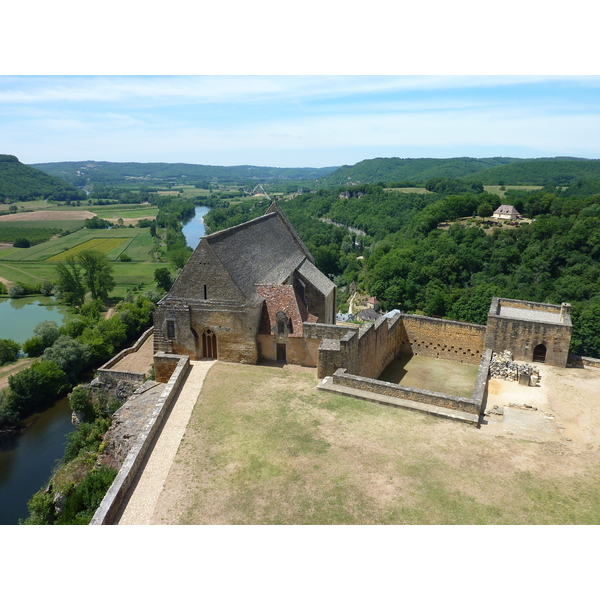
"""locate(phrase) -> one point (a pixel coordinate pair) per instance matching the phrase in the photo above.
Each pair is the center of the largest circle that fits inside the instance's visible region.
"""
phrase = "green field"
(124, 211)
(495, 189)
(138, 250)
(35, 264)
(104, 245)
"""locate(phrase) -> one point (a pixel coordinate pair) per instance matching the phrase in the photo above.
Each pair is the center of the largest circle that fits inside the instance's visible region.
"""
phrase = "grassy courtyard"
(433, 374)
(263, 446)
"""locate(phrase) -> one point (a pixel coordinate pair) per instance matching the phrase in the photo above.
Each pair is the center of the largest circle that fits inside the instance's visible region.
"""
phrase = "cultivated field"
(33, 265)
(104, 245)
(263, 446)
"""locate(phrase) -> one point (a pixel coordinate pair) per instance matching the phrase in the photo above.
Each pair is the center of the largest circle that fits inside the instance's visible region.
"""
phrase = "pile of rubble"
(503, 367)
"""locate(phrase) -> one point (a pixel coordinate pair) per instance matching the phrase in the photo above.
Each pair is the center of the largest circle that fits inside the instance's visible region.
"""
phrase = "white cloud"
(236, 89)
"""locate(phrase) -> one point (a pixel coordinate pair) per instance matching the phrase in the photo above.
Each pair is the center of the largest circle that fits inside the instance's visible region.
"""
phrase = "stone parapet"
(106, 374)
(583, 361)
(468, 405)
(110, 505)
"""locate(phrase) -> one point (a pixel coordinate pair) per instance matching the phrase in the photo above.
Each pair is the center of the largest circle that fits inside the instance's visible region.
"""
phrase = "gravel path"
(138, 506)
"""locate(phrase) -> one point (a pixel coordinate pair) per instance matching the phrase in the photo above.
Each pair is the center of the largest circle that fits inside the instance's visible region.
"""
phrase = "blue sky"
(294, 121)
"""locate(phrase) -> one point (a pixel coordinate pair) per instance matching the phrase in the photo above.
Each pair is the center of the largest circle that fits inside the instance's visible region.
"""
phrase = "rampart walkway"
(138, 506)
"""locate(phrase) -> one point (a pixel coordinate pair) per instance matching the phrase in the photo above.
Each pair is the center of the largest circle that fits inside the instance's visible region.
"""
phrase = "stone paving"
(138, 506)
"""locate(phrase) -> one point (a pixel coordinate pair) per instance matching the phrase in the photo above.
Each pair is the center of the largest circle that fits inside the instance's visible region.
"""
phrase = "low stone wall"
(109, 376)
(109, 507)
(468, 405)
(583, 361)
(164, 366)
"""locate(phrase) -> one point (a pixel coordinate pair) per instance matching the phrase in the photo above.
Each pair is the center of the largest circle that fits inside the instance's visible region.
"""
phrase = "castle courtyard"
(263, 446)
(433, 374)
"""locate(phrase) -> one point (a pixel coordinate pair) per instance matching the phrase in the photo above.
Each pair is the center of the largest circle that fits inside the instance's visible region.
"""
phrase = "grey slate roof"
(310, 272)
(261, 251)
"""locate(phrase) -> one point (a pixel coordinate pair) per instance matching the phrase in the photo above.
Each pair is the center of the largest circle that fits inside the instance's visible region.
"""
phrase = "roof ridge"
(275, 208)
(235, 227)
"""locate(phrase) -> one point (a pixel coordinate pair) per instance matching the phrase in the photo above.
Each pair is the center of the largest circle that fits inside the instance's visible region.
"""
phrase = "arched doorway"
(539, 353)
(209, 344)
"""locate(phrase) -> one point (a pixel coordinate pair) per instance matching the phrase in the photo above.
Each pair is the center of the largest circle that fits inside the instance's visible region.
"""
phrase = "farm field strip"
(99, 244)
(13, 273)
(48, 249)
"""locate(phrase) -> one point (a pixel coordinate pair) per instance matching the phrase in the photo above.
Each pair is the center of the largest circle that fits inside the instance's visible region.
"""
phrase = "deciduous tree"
(97, 274)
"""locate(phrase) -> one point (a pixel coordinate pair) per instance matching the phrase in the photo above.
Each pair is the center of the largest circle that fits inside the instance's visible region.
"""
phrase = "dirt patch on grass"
(264, 447)
(50, 215)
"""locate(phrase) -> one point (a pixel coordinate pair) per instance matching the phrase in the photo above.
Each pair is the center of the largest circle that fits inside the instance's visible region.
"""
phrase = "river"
(194, 229)
(27, 458)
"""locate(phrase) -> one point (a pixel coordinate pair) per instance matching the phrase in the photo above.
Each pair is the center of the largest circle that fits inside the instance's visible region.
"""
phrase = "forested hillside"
(22, 182)
(541, 171)
(488, 171)
(417, 170)
(82, 172)
(410, 263)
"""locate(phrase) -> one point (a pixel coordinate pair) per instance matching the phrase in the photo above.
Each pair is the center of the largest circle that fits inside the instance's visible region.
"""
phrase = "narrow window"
(205, 292)
(170, 329)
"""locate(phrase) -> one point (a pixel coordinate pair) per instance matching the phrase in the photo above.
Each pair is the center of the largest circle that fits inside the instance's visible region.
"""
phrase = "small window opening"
(170, 329)
(205, 292)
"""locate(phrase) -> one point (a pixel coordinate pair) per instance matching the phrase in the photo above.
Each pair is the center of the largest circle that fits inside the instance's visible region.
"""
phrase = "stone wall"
(583, 361)
(106, 374)
(299, 351)
(441, 338)
(234, 325)
(468, 405)
(521, 335)
(165, 365)
(368, 350)
(110, 505)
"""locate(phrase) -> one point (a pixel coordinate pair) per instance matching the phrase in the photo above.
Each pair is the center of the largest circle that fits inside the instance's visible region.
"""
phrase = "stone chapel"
(244, 295)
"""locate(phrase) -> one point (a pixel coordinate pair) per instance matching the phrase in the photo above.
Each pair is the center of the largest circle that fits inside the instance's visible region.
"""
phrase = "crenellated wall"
(368, 350)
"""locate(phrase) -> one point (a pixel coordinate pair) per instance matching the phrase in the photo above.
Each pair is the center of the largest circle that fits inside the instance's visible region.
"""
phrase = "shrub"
(33, 347)
(22, 243)
(47, 332)
(80, 400)
(125, 258)
(41, 381)
(16, 291)
(9, 351)
(46, 288)
(70, 355)
(3, 289)
(87, 437)
(82, 502)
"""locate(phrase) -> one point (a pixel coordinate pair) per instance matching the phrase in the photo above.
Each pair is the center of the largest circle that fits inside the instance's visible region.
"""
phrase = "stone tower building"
(532, 331)
(244, 294)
